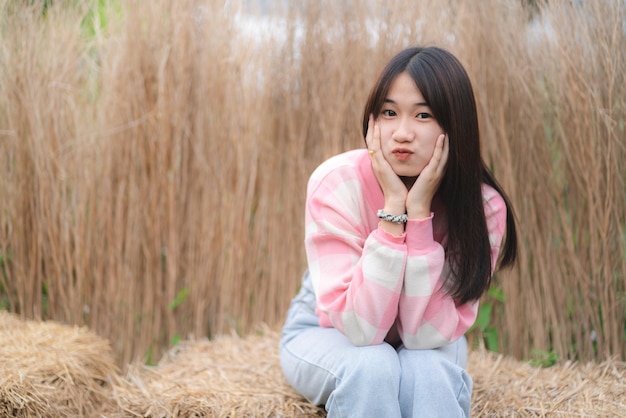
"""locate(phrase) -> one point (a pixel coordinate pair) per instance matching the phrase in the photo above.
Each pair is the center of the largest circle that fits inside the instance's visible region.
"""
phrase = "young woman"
(402, 239)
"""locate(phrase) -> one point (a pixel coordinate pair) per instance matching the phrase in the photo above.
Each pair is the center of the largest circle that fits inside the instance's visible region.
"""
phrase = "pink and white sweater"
(374, 286)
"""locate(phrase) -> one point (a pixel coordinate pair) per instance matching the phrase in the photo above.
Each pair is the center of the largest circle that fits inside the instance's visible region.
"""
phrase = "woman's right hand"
(393, 188)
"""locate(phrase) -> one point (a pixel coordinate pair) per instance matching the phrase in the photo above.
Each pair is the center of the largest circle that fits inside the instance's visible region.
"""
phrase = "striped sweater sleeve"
(357, 276)
(428, 316)
(366, 281)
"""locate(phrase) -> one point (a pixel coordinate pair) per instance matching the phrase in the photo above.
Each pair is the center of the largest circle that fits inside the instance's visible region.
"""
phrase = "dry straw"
(154, 157)
(505, 387)
(232, 377)
(227, 377)
(51, 370)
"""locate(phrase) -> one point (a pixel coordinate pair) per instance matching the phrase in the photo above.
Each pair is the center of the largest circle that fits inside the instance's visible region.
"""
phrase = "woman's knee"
(435, 376)
(321, 360)
(432, 366)
(367, 384)
(377, 363)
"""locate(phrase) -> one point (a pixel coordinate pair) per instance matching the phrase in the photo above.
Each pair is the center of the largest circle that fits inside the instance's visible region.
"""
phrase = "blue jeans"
(370, 381)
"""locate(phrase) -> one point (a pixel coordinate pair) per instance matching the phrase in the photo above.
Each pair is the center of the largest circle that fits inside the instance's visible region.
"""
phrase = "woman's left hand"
(422, 192)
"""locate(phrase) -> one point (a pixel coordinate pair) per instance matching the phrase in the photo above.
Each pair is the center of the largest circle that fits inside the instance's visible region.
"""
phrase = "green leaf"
(496, 293)
(179, 299)
(491, 339)
(484, 316)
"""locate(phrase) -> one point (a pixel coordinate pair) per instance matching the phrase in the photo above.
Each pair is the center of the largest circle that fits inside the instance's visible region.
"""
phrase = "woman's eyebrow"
(414, 104)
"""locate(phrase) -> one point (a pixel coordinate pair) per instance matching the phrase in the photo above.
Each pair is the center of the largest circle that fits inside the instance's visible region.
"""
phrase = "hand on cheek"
(393, 188)
(421, 194)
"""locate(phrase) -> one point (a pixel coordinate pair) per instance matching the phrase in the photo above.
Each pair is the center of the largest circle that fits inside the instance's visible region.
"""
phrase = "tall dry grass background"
(154, 157)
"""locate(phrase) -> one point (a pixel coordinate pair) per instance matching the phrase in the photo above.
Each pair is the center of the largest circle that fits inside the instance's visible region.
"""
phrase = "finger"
(445, 152)
(374, 144)
(435, 159)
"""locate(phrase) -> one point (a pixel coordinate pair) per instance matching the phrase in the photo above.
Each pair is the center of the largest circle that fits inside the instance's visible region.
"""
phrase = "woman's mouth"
(402, 154)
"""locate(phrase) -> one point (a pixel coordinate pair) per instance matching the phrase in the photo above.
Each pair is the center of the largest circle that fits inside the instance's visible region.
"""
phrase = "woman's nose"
(403, 132)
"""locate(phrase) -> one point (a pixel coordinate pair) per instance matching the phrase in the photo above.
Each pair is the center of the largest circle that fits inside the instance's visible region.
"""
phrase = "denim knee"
(434, 382)
(377, 363)
(367, 384)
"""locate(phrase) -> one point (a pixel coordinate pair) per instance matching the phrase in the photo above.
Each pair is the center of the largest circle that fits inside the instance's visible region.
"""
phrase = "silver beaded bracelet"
(396, 219)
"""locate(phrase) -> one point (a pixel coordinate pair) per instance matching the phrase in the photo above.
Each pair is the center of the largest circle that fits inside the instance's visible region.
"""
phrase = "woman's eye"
(388, 112)
(423, 115)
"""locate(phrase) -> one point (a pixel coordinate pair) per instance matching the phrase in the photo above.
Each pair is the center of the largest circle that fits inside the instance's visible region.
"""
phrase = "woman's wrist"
(386, 223)
(395, 208)
(419, 211)
(418, 214)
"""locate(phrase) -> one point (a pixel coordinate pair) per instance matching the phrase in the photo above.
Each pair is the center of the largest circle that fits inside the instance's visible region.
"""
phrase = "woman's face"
(408, 129)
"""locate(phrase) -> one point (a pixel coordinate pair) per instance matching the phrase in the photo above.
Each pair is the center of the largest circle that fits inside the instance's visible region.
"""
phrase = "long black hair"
(446, 87)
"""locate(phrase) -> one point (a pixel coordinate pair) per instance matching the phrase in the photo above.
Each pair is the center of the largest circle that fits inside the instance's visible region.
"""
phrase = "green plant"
(483, 326)
(179, 299)
(543, 358)
(150, 358)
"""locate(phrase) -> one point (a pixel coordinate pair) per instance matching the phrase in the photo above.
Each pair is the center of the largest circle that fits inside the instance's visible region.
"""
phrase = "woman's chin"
(407, 171)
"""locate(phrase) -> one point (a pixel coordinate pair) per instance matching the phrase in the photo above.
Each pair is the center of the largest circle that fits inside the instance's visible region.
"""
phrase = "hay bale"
(241, 377)
(52, 370)
(227, 377)
(504, 387)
